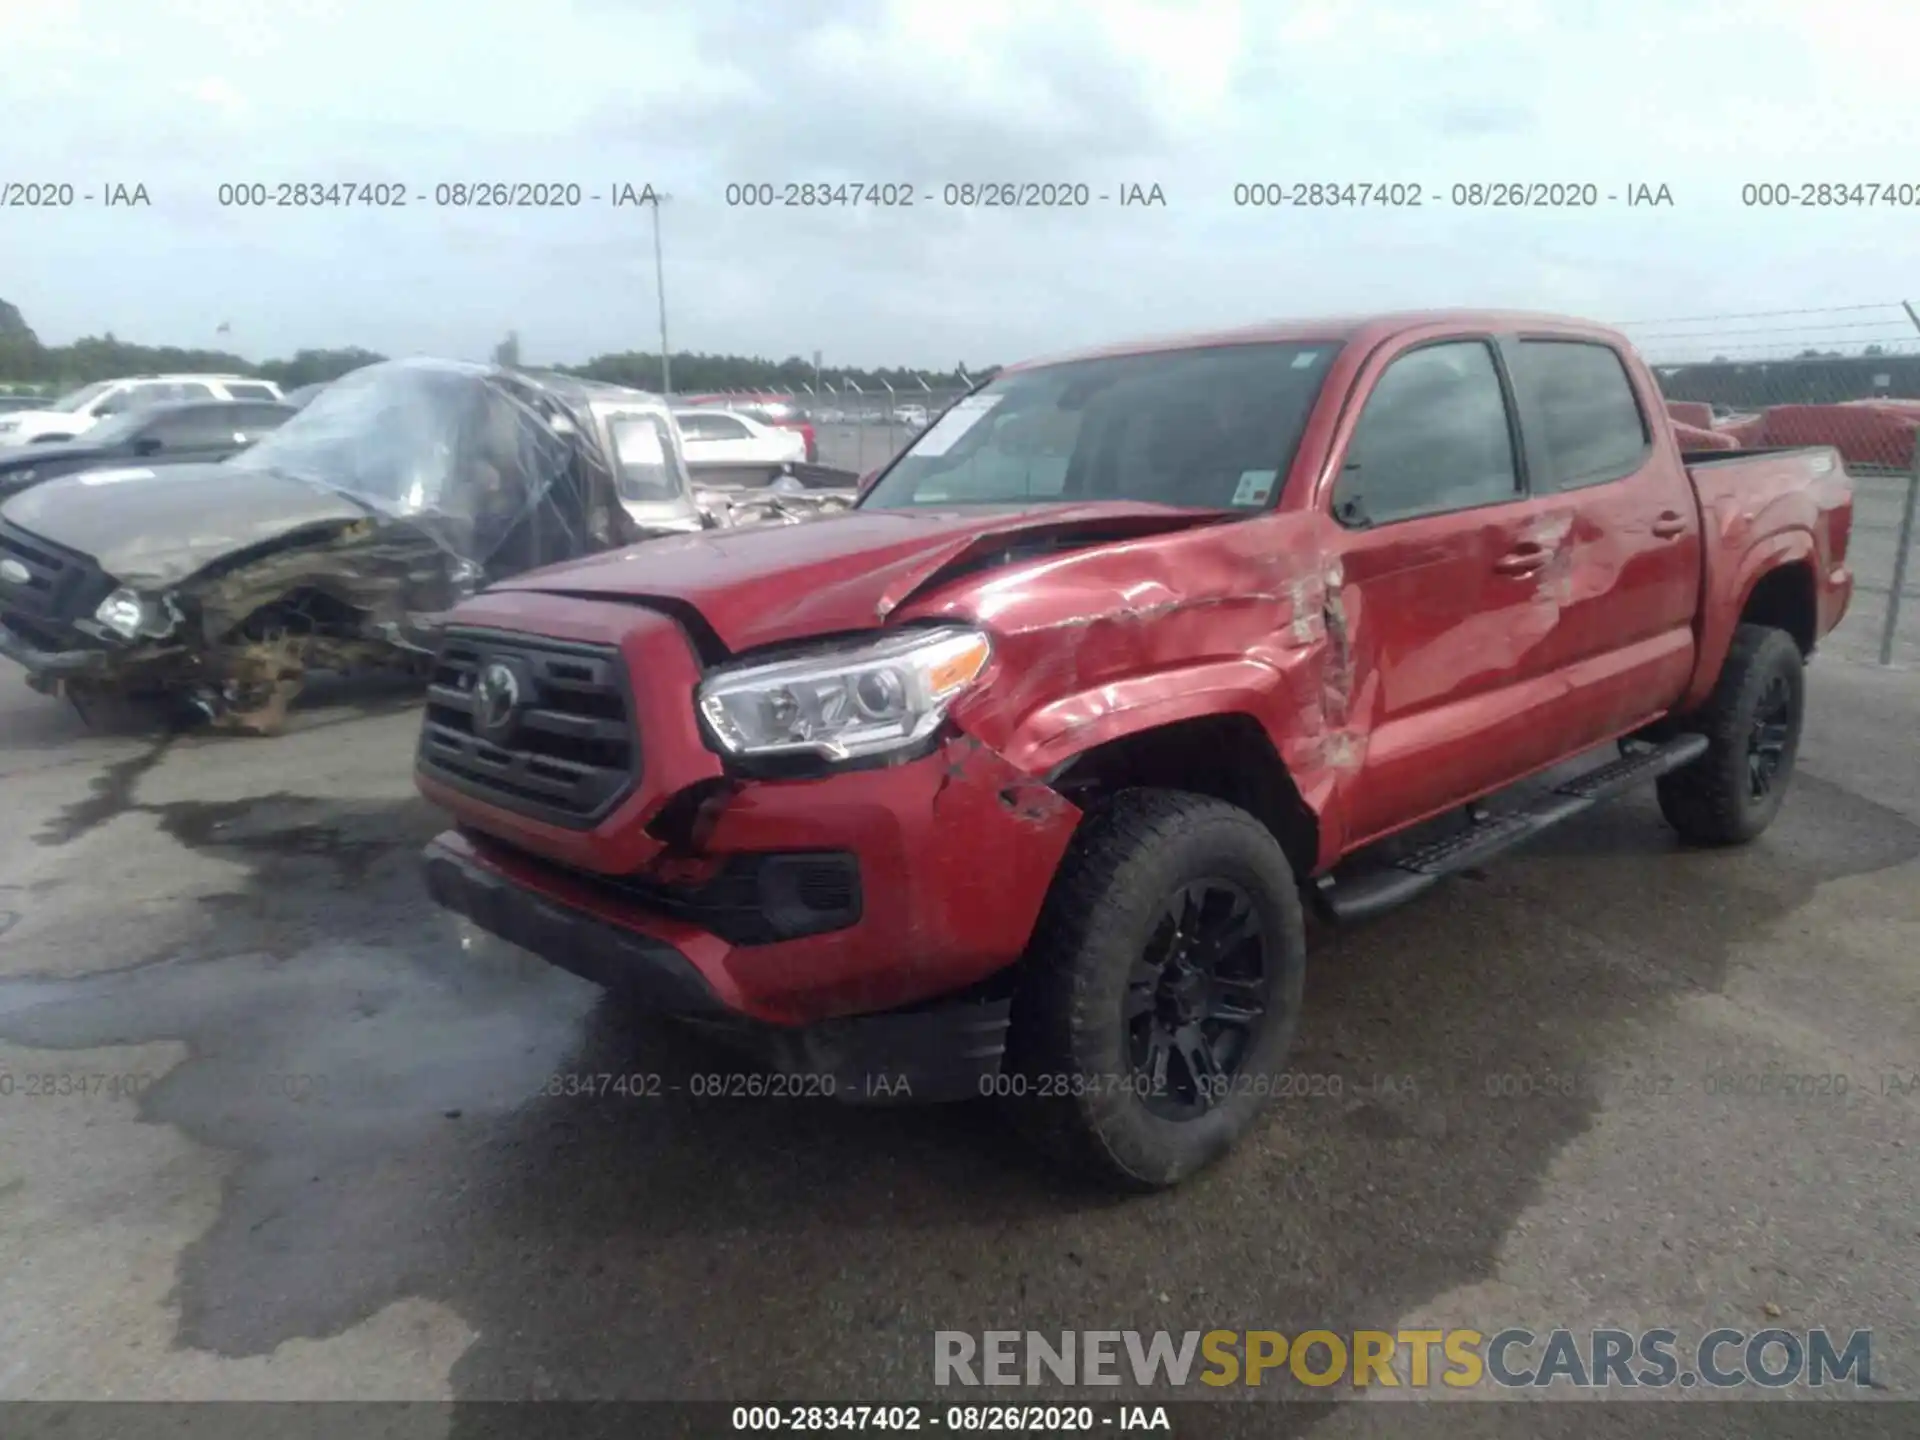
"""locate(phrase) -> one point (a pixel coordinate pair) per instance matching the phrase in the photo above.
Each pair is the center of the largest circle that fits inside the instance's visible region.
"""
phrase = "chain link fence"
(1847, 377)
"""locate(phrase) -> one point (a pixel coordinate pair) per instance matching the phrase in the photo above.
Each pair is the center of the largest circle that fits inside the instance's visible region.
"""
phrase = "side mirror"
(1349, 503)
(147, 445)
(865, 483)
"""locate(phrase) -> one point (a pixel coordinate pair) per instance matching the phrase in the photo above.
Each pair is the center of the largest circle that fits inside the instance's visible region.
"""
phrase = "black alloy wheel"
(1197, 998)
(1771, 734)
(1159, 995)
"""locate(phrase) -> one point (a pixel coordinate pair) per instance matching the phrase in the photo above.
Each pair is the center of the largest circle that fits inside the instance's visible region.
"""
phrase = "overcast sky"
(1196, 97)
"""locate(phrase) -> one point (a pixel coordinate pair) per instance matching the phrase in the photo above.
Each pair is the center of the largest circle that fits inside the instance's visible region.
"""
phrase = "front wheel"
(1161, 990)
(1752, 724)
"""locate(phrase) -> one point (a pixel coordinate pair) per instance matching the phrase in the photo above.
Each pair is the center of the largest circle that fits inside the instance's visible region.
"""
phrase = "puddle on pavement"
(382, 1087)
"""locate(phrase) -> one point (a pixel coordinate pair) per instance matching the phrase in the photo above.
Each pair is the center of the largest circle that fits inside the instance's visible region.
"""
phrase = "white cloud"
(1194, 96)
(217, 95)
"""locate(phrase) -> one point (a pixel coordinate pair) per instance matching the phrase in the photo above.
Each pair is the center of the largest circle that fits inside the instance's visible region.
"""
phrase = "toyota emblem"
(496, 700)
(14, 573)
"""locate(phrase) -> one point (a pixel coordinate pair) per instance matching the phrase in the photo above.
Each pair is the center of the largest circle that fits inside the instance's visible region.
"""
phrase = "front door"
(1441, 552)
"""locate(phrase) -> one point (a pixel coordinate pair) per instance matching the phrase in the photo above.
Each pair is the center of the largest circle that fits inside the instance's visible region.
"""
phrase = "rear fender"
(1725, 603)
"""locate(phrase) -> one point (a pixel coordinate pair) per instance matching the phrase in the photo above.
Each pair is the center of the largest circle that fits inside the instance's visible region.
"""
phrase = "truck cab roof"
(1369, 330)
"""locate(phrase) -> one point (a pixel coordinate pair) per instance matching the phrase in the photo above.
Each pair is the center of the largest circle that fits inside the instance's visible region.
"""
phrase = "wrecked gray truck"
(209, 592)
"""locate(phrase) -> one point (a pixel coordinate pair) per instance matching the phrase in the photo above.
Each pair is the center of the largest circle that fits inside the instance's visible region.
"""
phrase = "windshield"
(74, 399)
(1211, 428)
(643, 471)
(387, 434)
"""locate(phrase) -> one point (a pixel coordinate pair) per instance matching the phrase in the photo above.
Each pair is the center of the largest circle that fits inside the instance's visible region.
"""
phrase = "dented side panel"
(1093, 646)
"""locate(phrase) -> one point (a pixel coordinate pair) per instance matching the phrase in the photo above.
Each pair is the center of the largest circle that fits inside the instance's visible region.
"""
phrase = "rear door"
(192, 433)
(1623, 644)
(1441, 552)
(254, 422)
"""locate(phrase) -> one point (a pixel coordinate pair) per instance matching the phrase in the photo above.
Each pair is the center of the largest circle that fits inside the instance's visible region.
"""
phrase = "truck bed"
(1760, 509)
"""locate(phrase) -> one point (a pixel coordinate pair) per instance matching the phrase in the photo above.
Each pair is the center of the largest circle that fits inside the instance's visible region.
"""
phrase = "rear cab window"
(646, 460)
(1583, 411)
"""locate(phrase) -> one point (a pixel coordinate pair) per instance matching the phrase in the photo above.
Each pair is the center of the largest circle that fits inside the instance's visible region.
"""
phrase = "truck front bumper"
(44, 667)
(953, 853)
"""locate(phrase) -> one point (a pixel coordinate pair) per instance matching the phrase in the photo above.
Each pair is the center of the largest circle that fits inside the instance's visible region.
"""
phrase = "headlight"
(132, 616)
(845, 703)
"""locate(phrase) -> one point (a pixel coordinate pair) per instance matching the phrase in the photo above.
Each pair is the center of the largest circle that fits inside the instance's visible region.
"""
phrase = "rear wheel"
(1162, 990)
(1752, 724)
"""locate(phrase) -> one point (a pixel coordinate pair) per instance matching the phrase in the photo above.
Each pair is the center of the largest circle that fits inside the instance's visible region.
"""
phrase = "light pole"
(660, 288)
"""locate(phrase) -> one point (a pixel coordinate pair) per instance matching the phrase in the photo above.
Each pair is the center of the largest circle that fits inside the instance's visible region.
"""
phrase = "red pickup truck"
(1018, 778)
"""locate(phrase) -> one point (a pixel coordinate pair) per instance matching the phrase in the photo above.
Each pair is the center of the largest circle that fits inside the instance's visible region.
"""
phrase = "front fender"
(1080, 720)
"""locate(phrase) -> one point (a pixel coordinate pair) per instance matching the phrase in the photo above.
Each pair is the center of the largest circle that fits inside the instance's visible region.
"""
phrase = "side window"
(190, 390)
(195, 427)
(724, 427)
(257, 420)
(1589, 419)
(697, 427)
(115, 401)
(1433, 437)
(240, 390)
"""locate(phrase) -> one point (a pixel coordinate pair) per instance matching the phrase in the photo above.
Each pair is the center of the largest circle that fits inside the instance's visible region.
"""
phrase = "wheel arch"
(1228, 756)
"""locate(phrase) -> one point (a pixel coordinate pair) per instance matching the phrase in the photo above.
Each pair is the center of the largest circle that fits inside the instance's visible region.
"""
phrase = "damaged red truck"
(1019, 778)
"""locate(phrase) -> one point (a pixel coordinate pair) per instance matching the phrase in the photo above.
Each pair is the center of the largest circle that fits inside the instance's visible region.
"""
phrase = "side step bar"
(1381, 888)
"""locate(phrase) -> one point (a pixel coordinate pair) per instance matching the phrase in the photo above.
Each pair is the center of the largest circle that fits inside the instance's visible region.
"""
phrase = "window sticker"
(1254, 488)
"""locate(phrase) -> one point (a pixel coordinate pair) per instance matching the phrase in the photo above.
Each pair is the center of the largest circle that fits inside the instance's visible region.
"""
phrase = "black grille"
(757, 899)
(61, 585)
(570, 753)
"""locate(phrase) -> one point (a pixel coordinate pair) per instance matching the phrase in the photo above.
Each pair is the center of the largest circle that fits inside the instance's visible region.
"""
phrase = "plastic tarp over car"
(502, 471)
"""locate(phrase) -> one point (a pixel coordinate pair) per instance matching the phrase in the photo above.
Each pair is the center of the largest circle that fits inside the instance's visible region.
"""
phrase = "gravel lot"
(343, 1180)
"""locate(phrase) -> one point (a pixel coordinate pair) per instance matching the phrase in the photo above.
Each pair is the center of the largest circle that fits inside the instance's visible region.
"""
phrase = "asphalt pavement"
(271, 1126)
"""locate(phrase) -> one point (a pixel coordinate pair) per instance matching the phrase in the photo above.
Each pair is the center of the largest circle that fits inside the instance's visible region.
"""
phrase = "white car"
(727, 448)
(75, 412)
(915, 415)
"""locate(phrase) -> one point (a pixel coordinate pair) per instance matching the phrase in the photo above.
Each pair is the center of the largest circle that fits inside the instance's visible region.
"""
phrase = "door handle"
(1668, 524)
(1521, 560)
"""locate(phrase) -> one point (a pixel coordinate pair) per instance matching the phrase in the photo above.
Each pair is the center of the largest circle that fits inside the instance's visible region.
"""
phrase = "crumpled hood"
(152, 528)
(763, 585)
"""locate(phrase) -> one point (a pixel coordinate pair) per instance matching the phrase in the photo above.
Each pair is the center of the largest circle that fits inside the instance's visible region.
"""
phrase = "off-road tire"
(1712, 800)
(1068, 1034)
